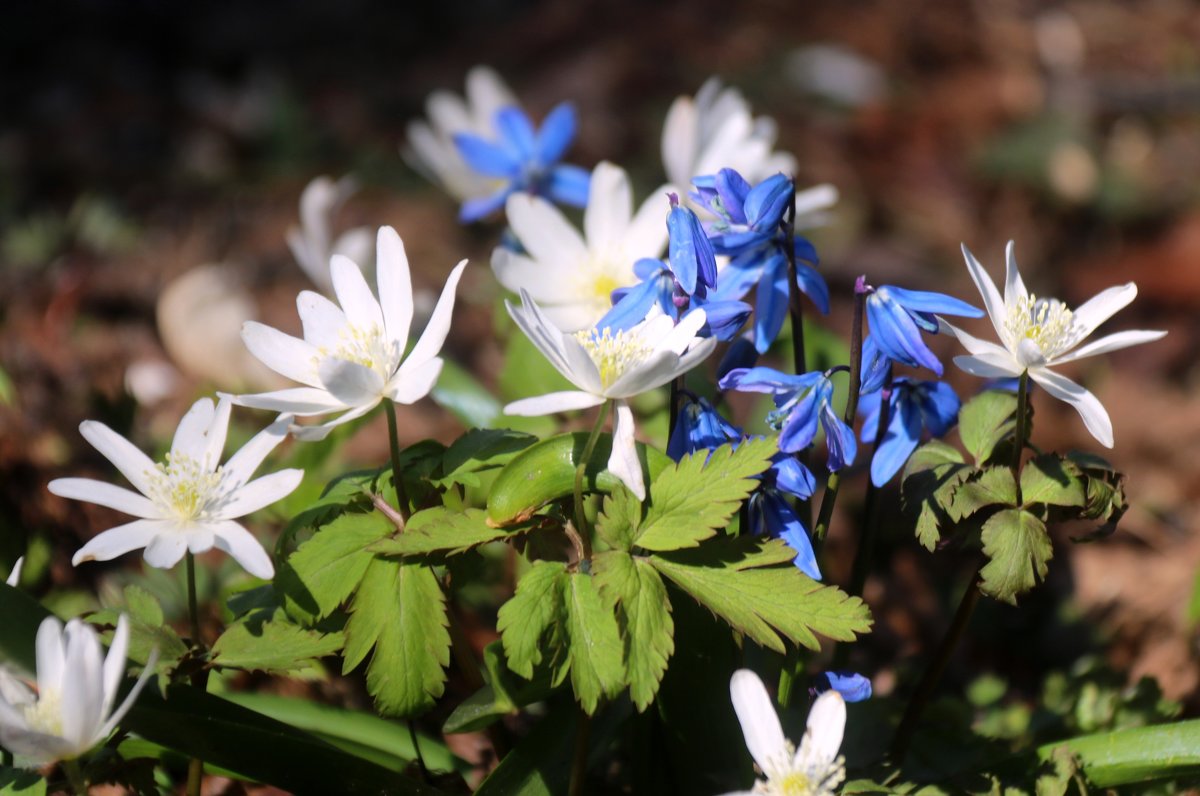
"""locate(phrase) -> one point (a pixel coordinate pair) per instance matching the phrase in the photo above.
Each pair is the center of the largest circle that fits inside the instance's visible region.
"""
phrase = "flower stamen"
(613, 354)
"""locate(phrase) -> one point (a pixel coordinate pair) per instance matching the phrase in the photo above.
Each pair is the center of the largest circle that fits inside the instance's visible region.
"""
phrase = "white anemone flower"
(431, 149)
(607, 366)
(816, 768)
(572, 276)
(189, 501)
(71, 709)
(312, 243)
(14, 577)
(1037, 334)
(352, 356)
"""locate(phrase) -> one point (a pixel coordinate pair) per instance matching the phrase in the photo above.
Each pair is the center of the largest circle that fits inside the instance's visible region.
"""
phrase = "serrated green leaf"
(620, 521)
(593, 643)
(480, 449)
(536, 606)
(145, 638)
(504, 693)
(931, 455)
(1018, 546)
(272, 645)
(985, 421)
(644, 616)
(931, 476)
(441, 530)
(690, 501)
(993, 486)
(20, 782)
(1051, 479)
(763, 601)
(142, 605)
(324, 571)
(400, 611)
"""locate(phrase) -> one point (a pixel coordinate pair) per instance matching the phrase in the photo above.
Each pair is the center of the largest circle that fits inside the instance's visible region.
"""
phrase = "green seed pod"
(546, 471)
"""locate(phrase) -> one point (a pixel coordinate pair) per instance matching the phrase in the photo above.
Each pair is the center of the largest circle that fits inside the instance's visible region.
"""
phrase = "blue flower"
(874, 368)
(853, 686)
(912, 406)
(898, 316)
(524, 160)
(700, 427)
(689, 250)
(800, 403)
(771, 512)
(749, 228)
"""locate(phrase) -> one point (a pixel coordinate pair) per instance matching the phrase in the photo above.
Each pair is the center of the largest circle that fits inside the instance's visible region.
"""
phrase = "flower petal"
(191, 436)
(245, 549)
(823, 735)
(1111, 342)
(166, 549)
(354, 294)
(646, 234)
(556, 133)
(132, 696)
(544, 231)
(323, 321)
(259, 493)
(288, 356)
(623, 461)
(81, 694)
(899, 440)
(568, 185)
(434, 336)
(566, 401)
(242, 464)
(318, 433)
(120, 540)
(760, 723)
(973, 344)
(1102, 306)
(302, 401)
(351, 383)
(103, 494)
(1095, 417)
(1014, 288)
(411, 384)
(989, 366)
(395, 285)
(610, 205)
(114, 664)
(995, 306)
(51, 654)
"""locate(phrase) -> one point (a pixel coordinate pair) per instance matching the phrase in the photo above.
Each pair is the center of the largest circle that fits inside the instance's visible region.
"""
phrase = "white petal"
(973, 344)
(684, 334)
(14, 577)
(199, 538)
(760, 724)
(517, 272)
(242, 464)
(989, 366)
(438, 327)
(823, 735)
(395, 285)
(487, 93)
(1087, 405)
(623, 461)
(288, 356)
(694, 356)
(245, 549)
(51, 654)
(647, 233)
(323, 321)
(814, 199)
(102, 494)
(656, 371)
(679, 141)
(165, 550)
(133, 464)
(217, 433)
(583, 372)
(609, 207)
(120, 540)
(260, 492)
(302, 401)
(120, 712)
(547, 339)
(114, 663)
(412, 383)
(573, 316)
(191, 436)
(544, 231)
(1102, 306)
(83, 690)
(318, 433)
(354, 295)
(351, 383)
(1014, 287)
(448, 112)
(996, 309)
(317, 203)
(355, 244)
(1112, 342)
(566, 401)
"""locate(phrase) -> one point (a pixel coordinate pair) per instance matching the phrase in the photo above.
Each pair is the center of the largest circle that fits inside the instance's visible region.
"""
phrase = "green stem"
(792, 672)
(416, 745)
(394, 446)
(579, 758)
(866, 545)
(200, 678)
(795, 305)
(582, 535)
(1020, 432)
(75, 776)
(193, 611)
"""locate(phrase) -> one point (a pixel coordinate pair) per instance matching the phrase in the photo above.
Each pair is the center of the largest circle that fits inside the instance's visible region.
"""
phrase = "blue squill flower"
(689, 250)
(801, 402)
(749, 229)
(771, 511)
(522, 159)
(874, 369)
(898, 316)
(700, 427)
(912, 407)
(853, 686)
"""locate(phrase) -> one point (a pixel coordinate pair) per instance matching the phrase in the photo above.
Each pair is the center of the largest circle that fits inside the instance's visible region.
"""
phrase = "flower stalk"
(580, 535)
(394, 446)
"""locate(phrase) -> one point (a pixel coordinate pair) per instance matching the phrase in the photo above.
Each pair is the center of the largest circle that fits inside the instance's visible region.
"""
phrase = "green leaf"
(593, 643)
(400, 611)
(530, 612)
(931, 476)
(272, 645)
(504, 693)
(619, 522)
(1051, 479)
(985, 421)
(644, 614)
(478, 450)
(442, 530)
(145, 638)
(1018, 546)
(467, 399)
(728, 576)
(992, 486)
(1131, 756)
(20, 782)
(689, 501)
(324, 571)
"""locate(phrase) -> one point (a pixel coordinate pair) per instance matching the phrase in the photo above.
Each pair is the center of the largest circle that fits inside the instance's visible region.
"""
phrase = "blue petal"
(556, 134)
(700, 427)
(633, 308)
(741, 355)
(647, 267)
(812, 284)
(737, 278)
(768, 380)
(724, 319)
(568, 185)
(783, 523)
(899, 441)
(733, 189)
(771, 306)
(939, 406)
(839, 438)
(804, 250)
(926, 301)
(793, 477)
(767, 201)
(874, 368)
(485, 157)
(475, 209)
(896, 335)
(739, 240)
(516, 132)
(801, 425)
(852, 686)
(689, 251)
(868, 409)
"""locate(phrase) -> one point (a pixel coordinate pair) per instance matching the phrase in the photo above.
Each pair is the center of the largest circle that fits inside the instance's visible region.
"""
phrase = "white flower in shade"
(312, 243)
(72, 708)
(431, 149)
(572, 276)
(816, 768)
(1037, 334)
(716, 130)
(189, 502)
(14, 577)
(352, 356)
(605, 366)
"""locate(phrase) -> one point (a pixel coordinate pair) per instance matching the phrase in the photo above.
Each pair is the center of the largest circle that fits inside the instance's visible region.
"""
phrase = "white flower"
(815, 769)
(352, 356)
(1037, 334)
(312, 243)
(189, 502)
(431, 148)
(571, 276)
(608, 366)
(15, 576)
(69, 713)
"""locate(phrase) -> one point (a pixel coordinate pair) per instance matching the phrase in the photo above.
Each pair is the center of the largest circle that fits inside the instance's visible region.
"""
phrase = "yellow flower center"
(614, 354)
(368, 347)
(1047, 324)
(597, 280)
(45, 715)
(183, 485)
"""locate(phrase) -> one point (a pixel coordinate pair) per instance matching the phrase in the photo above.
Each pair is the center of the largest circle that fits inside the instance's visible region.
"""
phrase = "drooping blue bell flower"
(699, 426)
(912, 408)
(853, 686)
(771, 512)
(898, 316)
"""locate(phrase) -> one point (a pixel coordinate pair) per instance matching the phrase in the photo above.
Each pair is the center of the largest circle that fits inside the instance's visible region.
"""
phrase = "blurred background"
(152, 157)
